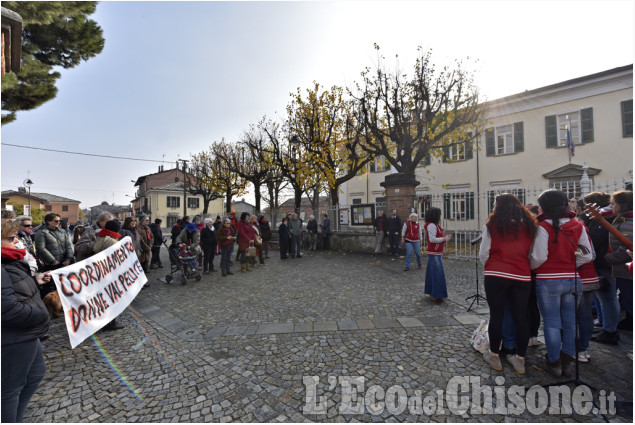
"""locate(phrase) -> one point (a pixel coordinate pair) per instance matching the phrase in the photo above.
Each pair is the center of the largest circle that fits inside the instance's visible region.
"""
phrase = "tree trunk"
(228, 206)
(298, 198)
(334, 192)
(257, 185)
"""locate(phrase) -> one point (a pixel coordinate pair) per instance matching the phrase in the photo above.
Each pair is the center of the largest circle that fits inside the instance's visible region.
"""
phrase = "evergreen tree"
(55, 33)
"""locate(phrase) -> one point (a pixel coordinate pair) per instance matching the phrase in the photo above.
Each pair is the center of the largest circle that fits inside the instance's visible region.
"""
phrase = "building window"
(171, 221)
(356, 201)
(48, 207)
(65, 208)
(505, 139)
(627, 118)
(425, 202)
(458, 205)
(174, 202)
(193, 202)
(568, 185)
(379, 165)
(580, 124)
(493, 193)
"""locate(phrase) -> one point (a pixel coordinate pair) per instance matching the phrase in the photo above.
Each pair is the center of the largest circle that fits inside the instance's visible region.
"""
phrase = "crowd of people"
(560, 264)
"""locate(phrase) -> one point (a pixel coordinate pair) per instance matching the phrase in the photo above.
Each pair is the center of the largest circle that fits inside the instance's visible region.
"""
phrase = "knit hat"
(113, 226)
(142, 217)
(191, 227)
(218, 217)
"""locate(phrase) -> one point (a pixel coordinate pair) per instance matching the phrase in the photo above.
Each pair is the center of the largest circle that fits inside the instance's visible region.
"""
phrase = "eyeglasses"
(11, 238)
(27, 225)
(56, 221)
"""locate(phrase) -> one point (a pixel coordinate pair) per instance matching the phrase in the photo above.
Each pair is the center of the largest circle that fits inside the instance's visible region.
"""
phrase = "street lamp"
(28, 184)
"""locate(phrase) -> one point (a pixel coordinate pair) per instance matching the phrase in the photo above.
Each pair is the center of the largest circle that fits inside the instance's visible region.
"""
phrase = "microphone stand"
(476, 297)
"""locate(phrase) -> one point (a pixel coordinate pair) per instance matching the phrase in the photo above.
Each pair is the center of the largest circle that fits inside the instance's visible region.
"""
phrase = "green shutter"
(627, 118)
(519, 138)
(551, 131)
(490, 149)
(470, 205)
(446, 153)
(446, 205)
(469, 149)
(491, 197)
(586, 119)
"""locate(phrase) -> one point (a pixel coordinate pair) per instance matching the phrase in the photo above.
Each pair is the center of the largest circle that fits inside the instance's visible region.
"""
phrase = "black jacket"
(312, 226)
(394, 224)
(157, 232)
(24, 316)
(285, 236)
(265, 230)
(600, 240)
(208, 238)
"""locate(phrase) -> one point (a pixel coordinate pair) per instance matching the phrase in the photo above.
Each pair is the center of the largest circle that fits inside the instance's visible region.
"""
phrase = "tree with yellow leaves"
(321, 122)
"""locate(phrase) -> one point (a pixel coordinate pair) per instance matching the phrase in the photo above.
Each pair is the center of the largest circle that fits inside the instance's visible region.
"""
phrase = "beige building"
(67, 209)
(166, 202)
(524, 151)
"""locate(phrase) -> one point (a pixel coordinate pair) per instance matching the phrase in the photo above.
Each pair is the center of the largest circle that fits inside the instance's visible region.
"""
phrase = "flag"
(570, 143)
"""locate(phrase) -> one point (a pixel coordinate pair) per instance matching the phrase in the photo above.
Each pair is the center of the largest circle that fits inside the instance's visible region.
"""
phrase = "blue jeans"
(416, 246)
(394, 242)
(598, 308)
(23, 368)
(225, 255)
(585, 320)
(608, 300)
(557, 305)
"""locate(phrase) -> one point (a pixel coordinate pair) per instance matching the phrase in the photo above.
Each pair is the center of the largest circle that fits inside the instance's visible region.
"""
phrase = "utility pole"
(184, 187)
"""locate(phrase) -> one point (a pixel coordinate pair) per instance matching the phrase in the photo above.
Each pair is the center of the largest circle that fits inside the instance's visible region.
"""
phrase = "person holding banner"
(107, 237)
(25, 321)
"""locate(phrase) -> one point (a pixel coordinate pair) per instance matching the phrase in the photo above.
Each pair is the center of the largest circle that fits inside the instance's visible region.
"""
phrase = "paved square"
(289, 342)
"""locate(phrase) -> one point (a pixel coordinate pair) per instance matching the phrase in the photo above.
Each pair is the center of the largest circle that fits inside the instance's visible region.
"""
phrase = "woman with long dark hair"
(507, 238)
(435, 285)
(560, 247)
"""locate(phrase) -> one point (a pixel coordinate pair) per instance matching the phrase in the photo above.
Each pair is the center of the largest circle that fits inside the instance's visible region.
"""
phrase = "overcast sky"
(175, 76)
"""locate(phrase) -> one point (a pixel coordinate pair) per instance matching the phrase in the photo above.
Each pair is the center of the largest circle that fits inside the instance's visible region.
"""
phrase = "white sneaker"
(583, 356)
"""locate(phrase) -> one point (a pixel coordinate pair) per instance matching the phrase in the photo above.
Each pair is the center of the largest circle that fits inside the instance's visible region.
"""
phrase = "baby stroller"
(180, 264)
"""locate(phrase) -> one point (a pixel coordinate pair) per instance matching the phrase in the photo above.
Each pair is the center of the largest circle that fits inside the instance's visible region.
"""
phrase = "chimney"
(22, 189)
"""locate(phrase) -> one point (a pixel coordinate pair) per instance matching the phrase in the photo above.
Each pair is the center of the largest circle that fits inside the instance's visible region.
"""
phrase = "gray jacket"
(618, 257)
(295, 227)
(53, 245)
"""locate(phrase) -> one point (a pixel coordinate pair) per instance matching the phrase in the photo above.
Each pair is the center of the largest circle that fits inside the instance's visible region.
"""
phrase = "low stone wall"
(355, 241)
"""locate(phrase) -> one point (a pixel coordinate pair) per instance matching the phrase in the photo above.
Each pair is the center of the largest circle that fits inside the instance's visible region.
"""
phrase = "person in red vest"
(435, 285)
(411, 236)
(507, 238)
(560, 247)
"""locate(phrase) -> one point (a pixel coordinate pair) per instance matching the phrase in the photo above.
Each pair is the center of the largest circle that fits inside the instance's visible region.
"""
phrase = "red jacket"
(560, 263)
(246, 233)
(509, 256)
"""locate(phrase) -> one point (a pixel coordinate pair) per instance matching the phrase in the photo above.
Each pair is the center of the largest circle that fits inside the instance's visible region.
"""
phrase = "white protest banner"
(98, 289)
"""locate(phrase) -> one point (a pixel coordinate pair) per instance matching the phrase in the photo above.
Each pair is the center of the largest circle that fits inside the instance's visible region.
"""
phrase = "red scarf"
(105, 232)
(13, 253)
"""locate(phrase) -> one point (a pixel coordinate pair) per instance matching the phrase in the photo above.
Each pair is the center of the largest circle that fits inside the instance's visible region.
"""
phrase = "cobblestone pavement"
(238, 349)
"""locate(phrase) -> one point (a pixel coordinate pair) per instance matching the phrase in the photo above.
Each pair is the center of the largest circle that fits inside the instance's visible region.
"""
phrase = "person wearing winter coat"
(208, 243)
(157, 235)
(246, 237)
(146, 240)
(381, 229)
(52, 244)
(265, 233)
(284, 238)
(312, 230)
(25, 322)
(191, 238)
(84, 246)
(225, 237)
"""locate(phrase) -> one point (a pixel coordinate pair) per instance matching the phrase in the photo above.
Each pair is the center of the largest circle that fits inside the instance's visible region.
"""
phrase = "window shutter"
(627, 118)
(519, 139)
(446, 205)
(470, 205)
(551, 131)
(446, 153)
(469, 150)
(489, 142)
(586, 119)
(491, 196)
